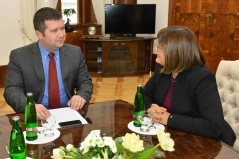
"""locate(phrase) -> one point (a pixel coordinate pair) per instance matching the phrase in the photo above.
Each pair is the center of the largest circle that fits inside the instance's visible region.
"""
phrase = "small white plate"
(151, 131)
(41, 139)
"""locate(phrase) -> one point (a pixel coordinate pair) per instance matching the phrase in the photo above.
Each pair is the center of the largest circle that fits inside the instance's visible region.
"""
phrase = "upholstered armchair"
(227, 77)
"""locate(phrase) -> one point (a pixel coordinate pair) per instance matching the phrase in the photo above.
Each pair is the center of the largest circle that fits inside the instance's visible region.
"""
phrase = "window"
(84, 11)
(67, 4)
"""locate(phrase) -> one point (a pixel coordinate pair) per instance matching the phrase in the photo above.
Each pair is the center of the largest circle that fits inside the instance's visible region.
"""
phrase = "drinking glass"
(49, 125)
(145, 123)
(152, 126)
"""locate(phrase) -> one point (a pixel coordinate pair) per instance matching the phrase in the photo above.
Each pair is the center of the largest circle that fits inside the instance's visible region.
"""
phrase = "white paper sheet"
(66, 114)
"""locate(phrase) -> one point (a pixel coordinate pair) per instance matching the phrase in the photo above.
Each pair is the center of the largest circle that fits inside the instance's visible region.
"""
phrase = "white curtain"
(29, 7)
(99, 8)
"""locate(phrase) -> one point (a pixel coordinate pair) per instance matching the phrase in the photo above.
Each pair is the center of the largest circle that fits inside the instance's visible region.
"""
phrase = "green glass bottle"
(30, 119)
(138, 106)
(17, 146)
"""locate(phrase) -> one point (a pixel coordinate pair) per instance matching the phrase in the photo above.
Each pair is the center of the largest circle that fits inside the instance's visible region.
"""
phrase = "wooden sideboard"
(118, 57)
(73, 37)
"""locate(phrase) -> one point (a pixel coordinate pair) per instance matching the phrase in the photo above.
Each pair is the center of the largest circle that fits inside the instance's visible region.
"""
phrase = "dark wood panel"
(214, 22)
(74, 38)
(153, 64)
(3, 70)
(125, 1)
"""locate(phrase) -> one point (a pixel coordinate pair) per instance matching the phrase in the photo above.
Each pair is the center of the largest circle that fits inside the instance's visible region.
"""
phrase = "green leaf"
(147, 153)
(119, 146)
(74, 155)
(68, 12)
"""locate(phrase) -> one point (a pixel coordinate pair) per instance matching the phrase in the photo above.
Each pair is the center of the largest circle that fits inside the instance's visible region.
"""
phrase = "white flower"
(99, 141)
(97, 146)
(58, 154)
(165, 141)
(90, 141)
(132, 142)
(167, 144)
(113, 149)
(108, 141)
(69, 147)
(86, 149)
(162, 135)
(95, 133)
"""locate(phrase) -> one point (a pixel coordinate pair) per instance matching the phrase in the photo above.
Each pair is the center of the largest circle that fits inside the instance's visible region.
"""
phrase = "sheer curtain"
(99, 8)
(29, 7)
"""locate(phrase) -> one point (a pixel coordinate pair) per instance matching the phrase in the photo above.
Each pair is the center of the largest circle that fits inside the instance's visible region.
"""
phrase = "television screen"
(130, 18)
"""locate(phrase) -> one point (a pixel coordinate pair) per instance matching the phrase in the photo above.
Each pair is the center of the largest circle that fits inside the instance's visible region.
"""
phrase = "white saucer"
(41, 138)
(151, 131)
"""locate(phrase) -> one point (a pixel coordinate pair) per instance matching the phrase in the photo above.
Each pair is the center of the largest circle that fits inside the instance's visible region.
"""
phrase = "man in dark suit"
(28, 68)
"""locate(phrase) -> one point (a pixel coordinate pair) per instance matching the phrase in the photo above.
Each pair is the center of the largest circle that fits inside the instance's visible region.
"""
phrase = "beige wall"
(10, 30)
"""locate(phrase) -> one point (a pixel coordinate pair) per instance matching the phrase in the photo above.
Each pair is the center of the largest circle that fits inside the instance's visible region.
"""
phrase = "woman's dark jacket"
(195, 103)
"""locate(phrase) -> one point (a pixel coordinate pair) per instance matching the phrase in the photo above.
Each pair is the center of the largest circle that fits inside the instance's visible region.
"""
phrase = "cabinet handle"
(122, 43)
(208, 19)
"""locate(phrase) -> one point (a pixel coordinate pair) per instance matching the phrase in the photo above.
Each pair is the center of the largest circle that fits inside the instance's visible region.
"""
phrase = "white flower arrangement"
(129, 146)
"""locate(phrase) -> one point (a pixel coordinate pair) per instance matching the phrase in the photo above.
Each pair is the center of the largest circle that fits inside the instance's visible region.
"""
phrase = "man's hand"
(42, 112)
(76, 102)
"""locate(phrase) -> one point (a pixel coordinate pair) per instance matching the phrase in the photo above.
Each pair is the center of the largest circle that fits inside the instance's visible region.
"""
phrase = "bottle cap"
(29, 94)
(139, 85)
(15, 118)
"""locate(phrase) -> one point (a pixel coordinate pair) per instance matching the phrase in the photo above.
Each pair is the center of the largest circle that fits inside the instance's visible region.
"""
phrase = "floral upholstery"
(227, 77)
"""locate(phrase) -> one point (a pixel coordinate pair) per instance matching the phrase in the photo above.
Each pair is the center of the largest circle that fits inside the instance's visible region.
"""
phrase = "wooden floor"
(105, 88)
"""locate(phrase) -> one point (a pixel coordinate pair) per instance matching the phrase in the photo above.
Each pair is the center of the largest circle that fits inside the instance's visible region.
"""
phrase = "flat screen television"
(130, 18)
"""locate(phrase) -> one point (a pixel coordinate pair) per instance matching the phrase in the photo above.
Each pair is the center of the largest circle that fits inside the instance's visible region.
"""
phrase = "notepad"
(66, 114)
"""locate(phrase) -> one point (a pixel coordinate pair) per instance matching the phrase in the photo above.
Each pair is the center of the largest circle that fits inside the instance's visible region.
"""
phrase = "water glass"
(145, 124)
(49, 125)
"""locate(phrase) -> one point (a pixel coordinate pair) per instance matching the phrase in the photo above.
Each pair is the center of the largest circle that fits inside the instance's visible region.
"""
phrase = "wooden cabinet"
(73, 37)
(114, 57)
(215, 23)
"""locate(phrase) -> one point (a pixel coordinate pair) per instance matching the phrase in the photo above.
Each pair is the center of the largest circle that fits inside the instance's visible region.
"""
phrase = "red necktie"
(53, 88)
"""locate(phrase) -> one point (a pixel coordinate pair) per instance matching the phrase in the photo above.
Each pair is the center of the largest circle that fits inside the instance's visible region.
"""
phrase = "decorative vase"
(68, 27)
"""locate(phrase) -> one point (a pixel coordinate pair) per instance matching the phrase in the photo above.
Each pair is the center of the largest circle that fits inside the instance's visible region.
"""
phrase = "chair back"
(227, 77)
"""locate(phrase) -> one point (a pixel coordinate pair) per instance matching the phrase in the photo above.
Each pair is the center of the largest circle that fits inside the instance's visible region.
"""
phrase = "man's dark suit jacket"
(195, 104)
(25, 74)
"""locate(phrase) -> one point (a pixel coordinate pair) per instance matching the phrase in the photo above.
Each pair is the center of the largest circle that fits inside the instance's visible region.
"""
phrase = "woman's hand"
(158, 114)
